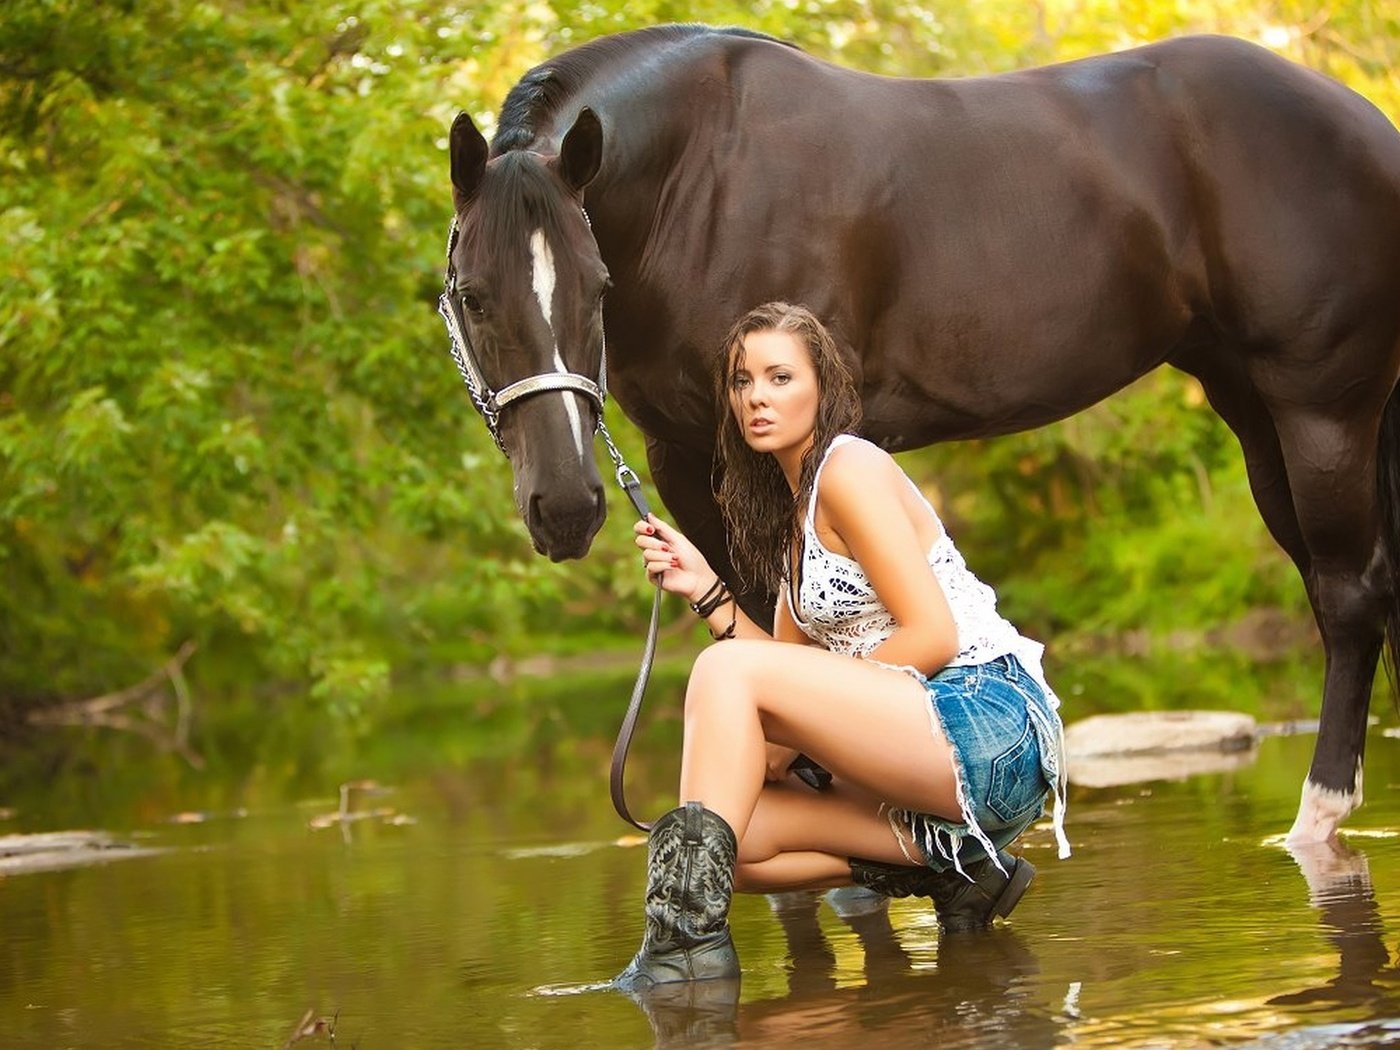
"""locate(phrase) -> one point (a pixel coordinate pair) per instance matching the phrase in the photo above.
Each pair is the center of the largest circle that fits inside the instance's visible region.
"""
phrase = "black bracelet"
(728, 632)
(707, 609)
(711, 599)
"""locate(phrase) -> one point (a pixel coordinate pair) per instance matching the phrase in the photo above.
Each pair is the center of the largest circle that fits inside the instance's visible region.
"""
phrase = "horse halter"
(490, 403)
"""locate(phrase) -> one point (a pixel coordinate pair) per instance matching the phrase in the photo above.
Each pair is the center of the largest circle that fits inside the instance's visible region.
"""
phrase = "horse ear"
(581, 154)
(467, 149)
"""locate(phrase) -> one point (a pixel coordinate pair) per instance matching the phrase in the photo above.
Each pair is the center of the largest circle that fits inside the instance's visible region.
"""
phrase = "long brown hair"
(761, 514)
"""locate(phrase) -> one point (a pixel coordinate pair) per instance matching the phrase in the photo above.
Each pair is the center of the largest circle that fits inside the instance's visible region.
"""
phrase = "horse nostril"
(532, 511)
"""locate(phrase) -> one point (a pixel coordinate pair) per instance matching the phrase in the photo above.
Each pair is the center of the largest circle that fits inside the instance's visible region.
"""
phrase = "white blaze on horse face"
(542, 275)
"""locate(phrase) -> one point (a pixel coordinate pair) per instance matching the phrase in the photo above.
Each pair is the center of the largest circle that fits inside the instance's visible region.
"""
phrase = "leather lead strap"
(629, 720)
(633, 487)
(489, 403)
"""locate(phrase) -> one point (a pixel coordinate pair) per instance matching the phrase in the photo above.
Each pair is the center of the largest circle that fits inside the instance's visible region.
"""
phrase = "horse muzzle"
(562, 524)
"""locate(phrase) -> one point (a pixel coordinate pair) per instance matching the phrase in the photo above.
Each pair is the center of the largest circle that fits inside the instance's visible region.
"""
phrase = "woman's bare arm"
(861, 495)
(683, 570)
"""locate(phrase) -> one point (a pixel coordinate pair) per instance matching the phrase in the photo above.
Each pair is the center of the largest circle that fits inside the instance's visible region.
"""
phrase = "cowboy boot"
(961, 902)
(690, 879)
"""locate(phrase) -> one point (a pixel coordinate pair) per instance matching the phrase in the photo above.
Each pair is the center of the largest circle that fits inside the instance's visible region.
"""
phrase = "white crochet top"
(840, 611)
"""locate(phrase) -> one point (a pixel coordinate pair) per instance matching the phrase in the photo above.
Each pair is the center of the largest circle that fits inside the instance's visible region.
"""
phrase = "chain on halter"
(490, 403)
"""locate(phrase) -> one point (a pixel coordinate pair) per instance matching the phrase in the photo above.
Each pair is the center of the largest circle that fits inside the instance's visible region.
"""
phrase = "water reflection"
(811, 962)
(1340, 888)
(980, 993)
(1177, 923)
(692, 1013)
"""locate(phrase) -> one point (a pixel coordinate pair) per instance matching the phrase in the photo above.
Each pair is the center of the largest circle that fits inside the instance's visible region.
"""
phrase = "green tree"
(226, 411)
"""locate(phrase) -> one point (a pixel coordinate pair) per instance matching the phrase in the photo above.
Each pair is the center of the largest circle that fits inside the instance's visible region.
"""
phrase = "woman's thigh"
(869, 724)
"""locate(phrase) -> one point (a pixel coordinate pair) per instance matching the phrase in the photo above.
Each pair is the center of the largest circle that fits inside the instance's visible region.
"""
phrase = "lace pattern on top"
(840, 611)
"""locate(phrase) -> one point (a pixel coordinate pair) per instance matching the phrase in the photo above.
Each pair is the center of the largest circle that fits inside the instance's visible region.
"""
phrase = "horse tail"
(1388, 491)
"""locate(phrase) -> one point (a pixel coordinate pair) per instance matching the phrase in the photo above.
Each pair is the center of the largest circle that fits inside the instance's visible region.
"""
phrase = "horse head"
(526, 284)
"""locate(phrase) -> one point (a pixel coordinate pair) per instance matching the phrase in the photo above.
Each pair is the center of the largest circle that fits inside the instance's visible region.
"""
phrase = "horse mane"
(540, 92)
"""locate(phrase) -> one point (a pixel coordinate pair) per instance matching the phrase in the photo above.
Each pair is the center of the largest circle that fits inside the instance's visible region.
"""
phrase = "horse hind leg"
(1235, 400)
(1325, 512)
(1342, 471)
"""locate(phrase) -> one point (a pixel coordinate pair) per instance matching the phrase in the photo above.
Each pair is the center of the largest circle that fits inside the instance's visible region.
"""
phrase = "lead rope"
(632, 485)
(489, 404)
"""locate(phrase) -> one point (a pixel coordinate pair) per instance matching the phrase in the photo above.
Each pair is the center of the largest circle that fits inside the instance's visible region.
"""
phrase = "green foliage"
(227, 415)
(1133, 515)
(226, 411)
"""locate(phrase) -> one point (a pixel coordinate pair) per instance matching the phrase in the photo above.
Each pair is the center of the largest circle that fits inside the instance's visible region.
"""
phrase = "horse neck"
(646, 172)
(648, 195)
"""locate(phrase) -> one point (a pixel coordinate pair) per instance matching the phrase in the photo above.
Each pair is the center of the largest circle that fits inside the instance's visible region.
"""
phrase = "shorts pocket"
(1017, 786)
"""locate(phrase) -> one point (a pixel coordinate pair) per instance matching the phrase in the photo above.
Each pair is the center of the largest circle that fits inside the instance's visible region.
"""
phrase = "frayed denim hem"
(941, 841)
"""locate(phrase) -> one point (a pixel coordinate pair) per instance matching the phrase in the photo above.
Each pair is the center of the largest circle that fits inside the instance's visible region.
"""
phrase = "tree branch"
(138, 708)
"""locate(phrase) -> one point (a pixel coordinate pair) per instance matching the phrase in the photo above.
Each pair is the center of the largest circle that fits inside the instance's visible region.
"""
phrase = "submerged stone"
(56, 850)
(1107, 750)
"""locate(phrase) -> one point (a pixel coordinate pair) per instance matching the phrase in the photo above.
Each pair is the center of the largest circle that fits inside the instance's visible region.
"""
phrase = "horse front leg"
(682, 474)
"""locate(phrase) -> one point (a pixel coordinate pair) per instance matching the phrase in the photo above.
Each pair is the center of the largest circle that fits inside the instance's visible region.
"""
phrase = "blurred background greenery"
(228, 417)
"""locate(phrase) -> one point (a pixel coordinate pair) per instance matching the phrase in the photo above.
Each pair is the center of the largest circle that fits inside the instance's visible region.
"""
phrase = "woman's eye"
(781, 378)
(739, 382)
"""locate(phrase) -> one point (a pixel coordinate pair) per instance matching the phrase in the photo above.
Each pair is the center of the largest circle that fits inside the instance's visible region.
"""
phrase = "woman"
(898, 677)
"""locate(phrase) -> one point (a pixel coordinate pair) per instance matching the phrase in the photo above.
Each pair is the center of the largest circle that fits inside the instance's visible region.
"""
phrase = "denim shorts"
(1005, 736)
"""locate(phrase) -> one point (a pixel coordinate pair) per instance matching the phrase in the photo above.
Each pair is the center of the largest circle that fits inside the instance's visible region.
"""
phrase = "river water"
(469, 893)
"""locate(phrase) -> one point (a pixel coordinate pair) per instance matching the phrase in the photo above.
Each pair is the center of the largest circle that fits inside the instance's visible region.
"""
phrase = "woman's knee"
(746, 878)
(723, 675)
(730, 661)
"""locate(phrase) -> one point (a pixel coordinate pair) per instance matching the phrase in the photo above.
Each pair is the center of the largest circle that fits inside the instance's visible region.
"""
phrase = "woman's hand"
(778, 760)
(672, 559)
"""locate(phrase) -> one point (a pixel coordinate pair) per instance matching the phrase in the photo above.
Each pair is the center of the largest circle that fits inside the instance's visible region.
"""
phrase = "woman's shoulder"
(853, 463)
(847, 452)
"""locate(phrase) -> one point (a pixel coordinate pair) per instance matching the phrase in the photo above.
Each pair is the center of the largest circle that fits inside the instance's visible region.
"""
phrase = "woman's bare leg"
(868, 724)
(800, 839)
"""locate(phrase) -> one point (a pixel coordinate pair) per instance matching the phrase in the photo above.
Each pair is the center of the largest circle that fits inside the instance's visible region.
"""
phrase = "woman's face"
(774, 393)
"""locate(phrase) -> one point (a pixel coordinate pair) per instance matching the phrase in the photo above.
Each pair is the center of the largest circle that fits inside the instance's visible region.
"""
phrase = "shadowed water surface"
(474, 899)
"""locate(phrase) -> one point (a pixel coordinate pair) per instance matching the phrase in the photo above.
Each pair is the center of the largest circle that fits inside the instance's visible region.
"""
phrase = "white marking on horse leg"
(542, 277)
(1322, 810)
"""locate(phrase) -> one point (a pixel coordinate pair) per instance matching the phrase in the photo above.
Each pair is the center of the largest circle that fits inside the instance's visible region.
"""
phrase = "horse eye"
(471, 303)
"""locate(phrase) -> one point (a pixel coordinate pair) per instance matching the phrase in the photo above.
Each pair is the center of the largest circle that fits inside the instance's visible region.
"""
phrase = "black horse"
(993, 253)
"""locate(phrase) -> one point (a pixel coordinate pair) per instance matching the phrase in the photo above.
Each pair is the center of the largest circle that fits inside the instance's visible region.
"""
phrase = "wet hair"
(762, 515)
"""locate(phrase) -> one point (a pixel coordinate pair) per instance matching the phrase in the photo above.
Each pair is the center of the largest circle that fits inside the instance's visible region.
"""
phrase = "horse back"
(1293, 185)
(1001, 251)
